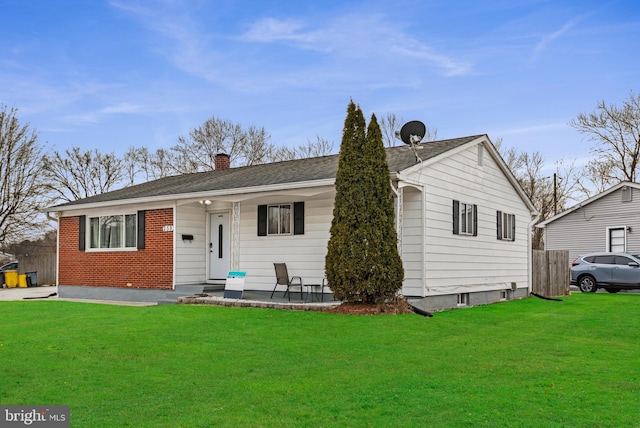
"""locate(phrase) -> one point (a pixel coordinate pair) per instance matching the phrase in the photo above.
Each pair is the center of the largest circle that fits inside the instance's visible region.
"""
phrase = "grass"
(526, 363)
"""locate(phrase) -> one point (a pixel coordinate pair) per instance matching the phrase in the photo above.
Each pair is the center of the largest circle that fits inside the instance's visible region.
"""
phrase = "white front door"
(219, 246)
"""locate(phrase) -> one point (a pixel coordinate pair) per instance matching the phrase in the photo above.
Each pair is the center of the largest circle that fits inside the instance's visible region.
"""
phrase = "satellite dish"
(412, 132)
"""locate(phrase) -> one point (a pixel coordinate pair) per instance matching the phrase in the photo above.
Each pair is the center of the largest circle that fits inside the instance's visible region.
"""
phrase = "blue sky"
(111, 74)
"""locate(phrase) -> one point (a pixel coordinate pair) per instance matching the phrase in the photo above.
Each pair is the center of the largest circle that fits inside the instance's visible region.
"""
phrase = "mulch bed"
(398, 306)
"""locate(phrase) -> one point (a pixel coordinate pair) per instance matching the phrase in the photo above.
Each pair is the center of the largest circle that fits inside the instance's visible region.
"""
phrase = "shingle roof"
(300, 170)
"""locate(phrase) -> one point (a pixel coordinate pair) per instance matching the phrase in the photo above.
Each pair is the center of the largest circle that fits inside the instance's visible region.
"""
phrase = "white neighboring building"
(608, 221)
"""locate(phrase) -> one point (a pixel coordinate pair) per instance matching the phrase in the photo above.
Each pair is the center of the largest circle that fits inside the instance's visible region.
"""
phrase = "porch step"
(213, 287)
(188, 290)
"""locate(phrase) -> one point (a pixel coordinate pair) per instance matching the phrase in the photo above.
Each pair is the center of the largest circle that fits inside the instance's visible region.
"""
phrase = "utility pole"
(555, 193)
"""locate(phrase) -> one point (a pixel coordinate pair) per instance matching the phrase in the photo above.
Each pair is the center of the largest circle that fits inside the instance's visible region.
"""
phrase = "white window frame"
(283, 228)
(123, 235)
(466, 220)
(608, 238)
(463, 299)
(507, 226)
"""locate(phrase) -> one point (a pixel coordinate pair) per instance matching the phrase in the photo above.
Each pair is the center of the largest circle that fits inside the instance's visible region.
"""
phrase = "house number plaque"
(167, 228)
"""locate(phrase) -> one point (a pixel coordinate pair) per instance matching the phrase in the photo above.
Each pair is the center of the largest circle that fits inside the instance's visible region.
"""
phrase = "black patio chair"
(282, 278)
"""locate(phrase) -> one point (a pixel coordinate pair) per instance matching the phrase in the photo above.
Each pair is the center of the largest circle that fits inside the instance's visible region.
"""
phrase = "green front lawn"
(527, 363)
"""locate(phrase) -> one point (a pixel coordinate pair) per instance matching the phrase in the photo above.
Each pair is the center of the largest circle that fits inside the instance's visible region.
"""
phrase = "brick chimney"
(221, 161)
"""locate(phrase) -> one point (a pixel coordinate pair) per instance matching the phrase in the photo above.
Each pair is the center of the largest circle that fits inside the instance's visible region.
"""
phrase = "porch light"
(205, 202)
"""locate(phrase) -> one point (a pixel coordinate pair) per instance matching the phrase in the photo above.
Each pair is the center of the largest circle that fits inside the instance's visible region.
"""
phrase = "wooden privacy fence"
(43, 264)
(551, 274)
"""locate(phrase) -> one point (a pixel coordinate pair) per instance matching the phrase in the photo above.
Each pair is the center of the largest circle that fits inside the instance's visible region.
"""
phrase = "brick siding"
(151, 267)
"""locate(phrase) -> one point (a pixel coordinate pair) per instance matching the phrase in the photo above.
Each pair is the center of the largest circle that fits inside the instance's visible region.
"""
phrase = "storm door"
(219, 239)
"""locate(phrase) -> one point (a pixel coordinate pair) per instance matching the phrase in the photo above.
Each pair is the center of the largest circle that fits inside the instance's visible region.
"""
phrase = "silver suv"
(611, 271)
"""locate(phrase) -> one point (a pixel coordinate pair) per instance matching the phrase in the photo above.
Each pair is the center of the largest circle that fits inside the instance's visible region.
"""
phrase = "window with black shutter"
(82, 233)
(465, 218)
(505, 226)
(279, 219)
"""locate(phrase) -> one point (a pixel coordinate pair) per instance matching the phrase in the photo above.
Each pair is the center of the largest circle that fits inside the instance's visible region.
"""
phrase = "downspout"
(424, 241)
(398, 225)
(534, 220)
(397, 193)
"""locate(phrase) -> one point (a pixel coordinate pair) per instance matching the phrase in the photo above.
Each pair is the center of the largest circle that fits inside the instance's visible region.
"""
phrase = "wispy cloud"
(98, 115)
(544, 127)
(356, 36)
(187, 49)
(271, 30)
(548, 39)
(451, 67)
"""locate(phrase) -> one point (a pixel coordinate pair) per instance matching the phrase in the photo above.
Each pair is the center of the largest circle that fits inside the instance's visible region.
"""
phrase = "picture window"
(113, 231)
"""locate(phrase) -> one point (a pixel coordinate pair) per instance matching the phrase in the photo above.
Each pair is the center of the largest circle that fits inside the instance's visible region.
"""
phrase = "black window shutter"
(513, 228)
(262, 220)
(456, 217)
(475, 220)
(141, 217)
(499, 225)
(82, 232)
(298, 218)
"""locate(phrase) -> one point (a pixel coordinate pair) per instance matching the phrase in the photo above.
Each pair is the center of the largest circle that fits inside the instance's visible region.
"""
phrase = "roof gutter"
(196, 195)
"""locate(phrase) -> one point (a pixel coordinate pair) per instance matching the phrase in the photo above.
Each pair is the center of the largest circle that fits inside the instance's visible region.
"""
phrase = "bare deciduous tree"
(596, 177)
(197, 151)
(321, 147)
(20, 178)
(245, 147)
(255, 148)
(390, 126)
(152, 165)
(615, 132)
(549, 193)
(77, 174)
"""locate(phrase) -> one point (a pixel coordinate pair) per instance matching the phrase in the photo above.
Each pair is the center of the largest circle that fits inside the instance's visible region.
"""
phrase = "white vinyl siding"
(191, 256)
(455, 264)
(412, 242)
(304, 254)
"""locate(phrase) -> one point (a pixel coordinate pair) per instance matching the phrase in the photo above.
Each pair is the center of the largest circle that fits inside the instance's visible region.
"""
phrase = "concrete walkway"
(36, 293)
(253, 299)
(262, 299)
(44, 292)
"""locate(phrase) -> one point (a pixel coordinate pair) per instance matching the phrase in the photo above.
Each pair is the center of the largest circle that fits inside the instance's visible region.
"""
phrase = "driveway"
(28, 293)
(575, 289)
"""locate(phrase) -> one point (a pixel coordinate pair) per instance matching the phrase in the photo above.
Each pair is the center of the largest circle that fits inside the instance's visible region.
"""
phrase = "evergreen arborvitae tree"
(362, 262)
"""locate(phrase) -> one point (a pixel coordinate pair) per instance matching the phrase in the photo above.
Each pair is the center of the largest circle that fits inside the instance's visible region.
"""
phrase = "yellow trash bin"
(11, 278)
(22, 280)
